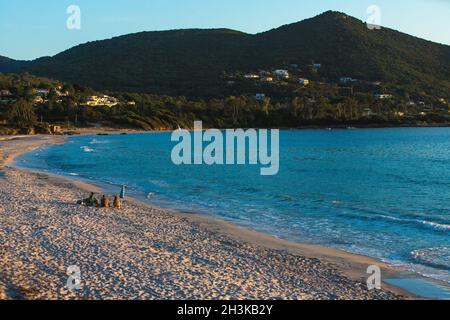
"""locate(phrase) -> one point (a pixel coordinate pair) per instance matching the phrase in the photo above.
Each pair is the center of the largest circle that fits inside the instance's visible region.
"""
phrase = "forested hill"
(10, 65)
(200, 62)
(346, 47)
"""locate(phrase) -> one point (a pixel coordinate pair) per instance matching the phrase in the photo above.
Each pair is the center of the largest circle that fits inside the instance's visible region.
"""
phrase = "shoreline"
(106, 130)
(351, 265)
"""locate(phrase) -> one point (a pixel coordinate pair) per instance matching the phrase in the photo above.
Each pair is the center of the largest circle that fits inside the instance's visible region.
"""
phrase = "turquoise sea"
(383, 193)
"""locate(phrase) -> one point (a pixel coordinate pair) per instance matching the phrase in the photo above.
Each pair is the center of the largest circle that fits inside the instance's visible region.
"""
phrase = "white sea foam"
(437, 257)
(160, 183)
(430, 224)
(95, 141)
(422, 269)
(87, 149)
(437, 226)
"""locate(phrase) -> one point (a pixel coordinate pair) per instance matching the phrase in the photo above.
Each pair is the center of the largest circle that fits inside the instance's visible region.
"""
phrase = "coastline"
(350, 267)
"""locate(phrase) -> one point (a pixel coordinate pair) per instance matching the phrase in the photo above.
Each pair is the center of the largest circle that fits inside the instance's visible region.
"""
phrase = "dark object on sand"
(105, 202)
(103, 134)
(71, 133)
(117, 204)
(90, 202)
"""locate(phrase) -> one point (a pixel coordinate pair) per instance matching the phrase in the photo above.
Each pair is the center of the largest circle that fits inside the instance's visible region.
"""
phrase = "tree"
(297, 106)
(265, 106)
(235, 104)
(22, 114)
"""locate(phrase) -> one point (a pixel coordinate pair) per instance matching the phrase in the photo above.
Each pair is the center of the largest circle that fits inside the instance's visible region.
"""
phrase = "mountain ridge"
(192, 61)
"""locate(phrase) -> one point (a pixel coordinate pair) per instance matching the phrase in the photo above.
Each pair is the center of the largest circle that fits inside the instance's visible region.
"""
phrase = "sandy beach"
(142, 252)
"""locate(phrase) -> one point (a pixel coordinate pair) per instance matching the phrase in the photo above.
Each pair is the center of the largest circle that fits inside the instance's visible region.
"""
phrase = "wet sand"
(142, 252)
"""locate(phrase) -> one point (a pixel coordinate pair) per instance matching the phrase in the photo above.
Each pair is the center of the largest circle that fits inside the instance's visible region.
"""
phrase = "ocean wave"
(438, 257)
(159, 183)
(87, 149)
(442, 227)
(95, 141)
(423, 269)
(358, 213)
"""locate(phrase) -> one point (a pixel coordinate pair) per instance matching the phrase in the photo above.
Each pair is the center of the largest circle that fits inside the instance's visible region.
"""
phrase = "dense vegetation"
(316, 105)
(194, 63)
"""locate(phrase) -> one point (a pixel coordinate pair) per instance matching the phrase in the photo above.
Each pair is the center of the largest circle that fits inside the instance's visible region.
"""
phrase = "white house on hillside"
(304, 82)
(383, 96)
(282, 74)
(347, 80)
(102, 101)
(5, 93)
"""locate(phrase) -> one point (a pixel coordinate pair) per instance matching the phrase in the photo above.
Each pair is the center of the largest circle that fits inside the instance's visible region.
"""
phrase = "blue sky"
(31, 29)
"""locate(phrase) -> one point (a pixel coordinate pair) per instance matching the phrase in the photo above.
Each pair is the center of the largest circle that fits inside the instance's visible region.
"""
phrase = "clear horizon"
(32, 30)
